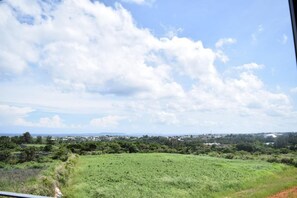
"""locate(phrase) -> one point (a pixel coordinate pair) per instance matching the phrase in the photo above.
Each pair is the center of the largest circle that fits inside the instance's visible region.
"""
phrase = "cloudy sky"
(147, 66)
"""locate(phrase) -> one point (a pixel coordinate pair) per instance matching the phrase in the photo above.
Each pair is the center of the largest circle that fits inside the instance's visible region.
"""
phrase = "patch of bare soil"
(290, 193)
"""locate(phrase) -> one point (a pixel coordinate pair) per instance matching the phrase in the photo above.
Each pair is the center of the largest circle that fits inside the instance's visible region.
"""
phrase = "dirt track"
(290, 193)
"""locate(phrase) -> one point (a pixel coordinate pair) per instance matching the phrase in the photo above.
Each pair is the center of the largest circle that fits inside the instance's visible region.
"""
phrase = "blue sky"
(147, 66)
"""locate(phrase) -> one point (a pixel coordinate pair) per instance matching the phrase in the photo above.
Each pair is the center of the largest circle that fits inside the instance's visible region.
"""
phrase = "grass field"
(173, 175)
(27, 177)
(16, 180)
(35, 145)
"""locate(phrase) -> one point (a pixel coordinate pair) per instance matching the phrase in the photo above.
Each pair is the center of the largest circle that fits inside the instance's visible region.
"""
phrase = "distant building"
(270, 135)
(211, 144)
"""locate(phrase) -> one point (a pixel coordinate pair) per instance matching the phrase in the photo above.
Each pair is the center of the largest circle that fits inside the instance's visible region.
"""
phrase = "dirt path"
(290, 193)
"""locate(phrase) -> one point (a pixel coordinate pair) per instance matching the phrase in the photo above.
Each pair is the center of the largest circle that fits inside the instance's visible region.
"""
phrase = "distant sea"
(67, 134)
(94, 134)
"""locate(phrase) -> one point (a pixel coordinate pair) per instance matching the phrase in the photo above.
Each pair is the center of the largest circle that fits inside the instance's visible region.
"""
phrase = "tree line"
(18, 149)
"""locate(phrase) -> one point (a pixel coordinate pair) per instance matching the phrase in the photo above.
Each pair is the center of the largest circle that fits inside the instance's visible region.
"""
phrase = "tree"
(114, 147)
(89, 146)
(49, 140)
(4, 155)
(6, 143)
(133, 148)
(17, 139)
(27, 138)
(281, 142)
(28, 154)
(48, 148)
(245, 147)
(38, 140)
(61, 153)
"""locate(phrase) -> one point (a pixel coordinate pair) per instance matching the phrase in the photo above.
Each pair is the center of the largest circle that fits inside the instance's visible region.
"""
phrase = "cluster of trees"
(24, 148)
(18, 149)
(26, 138)
(174, 146)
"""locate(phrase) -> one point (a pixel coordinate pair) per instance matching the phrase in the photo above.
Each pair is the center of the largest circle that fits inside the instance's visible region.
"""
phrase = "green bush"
(4, 155)
(289, 161)
(229, 156)
(28, 154)
(273, 160)
(61, 154)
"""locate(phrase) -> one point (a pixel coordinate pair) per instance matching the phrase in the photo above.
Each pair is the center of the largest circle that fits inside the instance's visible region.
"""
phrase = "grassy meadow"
(174, 175)
(16, 180)
(28, 177)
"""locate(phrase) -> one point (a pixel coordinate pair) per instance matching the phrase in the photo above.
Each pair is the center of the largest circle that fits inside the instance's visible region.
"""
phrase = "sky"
(157, 67)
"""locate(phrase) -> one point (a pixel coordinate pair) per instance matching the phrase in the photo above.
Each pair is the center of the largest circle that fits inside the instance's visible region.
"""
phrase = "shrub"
(48, 148)
(4, 155)
(245, 147)
(28, 154)
(273, 160)
(63, 171)
(284, 150)
(289, 161)
(229, 156)
(61, 154)
(2, 165)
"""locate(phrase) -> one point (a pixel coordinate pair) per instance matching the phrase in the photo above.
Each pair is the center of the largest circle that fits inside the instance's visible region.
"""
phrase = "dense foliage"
(282, 149)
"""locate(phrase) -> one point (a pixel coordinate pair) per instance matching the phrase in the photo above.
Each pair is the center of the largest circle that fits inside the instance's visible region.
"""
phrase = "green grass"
(40, 145)
(35, 145)
(28, 177)
(173, 175)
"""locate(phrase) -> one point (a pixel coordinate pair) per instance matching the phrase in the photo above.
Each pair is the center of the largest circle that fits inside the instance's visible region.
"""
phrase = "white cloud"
(12, 110)
(55, 122)
(171, 31)
(9, 114)
(44, 122)
(139, 2)
(220, 45)
(284, 39)
(246, 81)
(107, 121)
(260, 28)
(222, 56)
(165, 118)
(294, 90)
(256, 34)
(254, 38)
(250, 66)
(189, 57)
(31, 7)
(17, 116)
(17, 45)
(84, 58)
(100, 50)
(11, 63)
(245, 95)
(224, 41)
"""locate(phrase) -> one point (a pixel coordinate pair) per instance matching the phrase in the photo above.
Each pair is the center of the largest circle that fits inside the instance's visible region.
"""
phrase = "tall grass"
(16, 179)
(26, 178)
(36, 178)
(173, 175)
